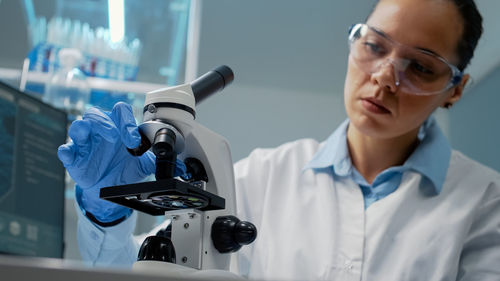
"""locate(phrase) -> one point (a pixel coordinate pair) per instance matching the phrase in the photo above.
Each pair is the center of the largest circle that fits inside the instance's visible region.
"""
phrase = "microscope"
(201, 203)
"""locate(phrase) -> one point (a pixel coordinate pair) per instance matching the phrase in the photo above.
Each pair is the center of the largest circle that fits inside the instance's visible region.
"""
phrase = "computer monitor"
(31, 176)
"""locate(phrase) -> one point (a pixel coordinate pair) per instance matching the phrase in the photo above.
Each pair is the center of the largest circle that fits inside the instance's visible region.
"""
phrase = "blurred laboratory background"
(289, 58)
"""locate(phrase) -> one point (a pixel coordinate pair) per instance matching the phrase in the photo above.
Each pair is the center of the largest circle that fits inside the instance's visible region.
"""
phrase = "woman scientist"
(383, 198)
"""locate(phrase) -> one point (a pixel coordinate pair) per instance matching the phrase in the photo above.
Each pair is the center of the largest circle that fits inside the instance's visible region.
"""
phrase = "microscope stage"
(157, 197)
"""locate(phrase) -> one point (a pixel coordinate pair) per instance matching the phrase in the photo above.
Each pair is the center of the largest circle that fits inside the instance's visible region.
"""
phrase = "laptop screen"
(31, 176)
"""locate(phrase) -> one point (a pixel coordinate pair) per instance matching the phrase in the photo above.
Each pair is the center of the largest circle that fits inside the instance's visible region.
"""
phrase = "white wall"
(251, 117)
(475, 122)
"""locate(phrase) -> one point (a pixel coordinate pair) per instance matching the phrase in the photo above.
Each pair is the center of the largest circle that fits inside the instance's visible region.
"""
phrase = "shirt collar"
(431, 158)
(334, 153)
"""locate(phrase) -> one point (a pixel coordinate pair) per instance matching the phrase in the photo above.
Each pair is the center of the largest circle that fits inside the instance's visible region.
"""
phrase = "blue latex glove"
(97, 157)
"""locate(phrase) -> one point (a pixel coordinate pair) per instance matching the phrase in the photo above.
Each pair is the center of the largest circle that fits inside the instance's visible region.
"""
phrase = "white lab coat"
(313, 226)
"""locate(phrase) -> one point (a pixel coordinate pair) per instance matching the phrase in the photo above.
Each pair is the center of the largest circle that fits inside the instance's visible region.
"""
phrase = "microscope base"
(175, 270)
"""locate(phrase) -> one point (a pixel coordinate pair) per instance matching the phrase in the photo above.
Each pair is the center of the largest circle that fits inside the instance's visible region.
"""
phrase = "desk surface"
(41, 269)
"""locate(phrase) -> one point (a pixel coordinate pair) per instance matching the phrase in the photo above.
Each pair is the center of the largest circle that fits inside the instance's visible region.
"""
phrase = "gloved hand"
(97, 157)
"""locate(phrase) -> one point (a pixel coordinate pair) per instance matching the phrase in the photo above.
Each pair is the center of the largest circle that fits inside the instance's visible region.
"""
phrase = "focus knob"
(157, 248)
(245, 232)
(144, 146)
(229, 233)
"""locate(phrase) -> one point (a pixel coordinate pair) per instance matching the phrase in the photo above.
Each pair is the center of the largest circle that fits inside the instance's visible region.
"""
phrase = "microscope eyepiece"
(212, 82)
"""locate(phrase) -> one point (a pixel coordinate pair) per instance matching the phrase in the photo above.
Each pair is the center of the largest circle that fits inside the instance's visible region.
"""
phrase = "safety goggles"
(416, 71)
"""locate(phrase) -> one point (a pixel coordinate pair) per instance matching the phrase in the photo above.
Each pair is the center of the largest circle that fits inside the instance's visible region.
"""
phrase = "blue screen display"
(31, 176)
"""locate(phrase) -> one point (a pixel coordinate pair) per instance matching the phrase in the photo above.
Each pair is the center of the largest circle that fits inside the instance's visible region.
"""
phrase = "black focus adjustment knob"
(245, 232)
(144, 146)
(229, 233)
(157, 248)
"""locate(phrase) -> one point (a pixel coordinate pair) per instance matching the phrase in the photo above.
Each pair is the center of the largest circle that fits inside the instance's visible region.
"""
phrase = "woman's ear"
(457, 92)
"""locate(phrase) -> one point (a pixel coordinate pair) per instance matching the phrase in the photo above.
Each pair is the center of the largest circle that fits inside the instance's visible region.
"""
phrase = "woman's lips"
(374, 106)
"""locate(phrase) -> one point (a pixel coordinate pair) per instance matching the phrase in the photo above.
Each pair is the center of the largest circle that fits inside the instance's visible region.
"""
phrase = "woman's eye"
(418, 67)
(373, 47)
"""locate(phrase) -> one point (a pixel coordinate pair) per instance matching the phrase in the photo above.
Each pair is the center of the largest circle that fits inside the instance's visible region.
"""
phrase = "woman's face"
(374, 104)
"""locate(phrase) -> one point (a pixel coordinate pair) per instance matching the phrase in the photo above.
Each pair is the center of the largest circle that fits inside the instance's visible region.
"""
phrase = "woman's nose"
(386, 76)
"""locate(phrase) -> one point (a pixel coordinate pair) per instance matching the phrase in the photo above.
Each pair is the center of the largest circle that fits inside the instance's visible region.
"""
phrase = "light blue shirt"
(431, 159)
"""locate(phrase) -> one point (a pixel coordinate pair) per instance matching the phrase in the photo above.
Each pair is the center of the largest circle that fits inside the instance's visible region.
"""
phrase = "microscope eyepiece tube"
(211, 82)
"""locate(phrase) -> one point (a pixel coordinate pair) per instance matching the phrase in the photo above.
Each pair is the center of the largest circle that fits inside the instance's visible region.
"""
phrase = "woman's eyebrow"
(428, 51)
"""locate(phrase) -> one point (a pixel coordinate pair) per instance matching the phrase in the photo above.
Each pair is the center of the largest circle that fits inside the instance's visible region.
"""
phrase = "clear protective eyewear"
(416, 71)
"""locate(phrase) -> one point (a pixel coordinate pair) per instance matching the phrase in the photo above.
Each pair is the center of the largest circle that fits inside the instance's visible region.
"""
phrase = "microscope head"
(186, 96)
(177, 105)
